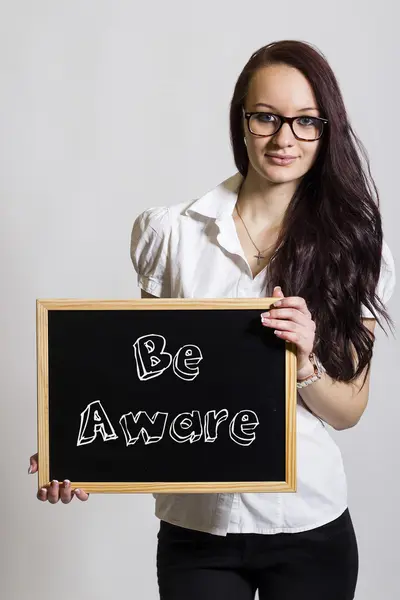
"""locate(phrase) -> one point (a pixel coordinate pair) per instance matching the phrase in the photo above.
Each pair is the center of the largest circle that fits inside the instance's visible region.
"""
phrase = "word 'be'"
(152, 361)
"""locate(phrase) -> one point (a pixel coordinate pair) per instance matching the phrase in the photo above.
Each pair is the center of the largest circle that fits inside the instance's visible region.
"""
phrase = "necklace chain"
(259, 256)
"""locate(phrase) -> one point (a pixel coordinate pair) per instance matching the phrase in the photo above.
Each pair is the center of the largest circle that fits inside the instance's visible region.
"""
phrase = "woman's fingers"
(53, 492)
(33, 464)
(293, 302)
(42, 494)
(56, 491)
(82, 495)
(291, 314)
(66, 492)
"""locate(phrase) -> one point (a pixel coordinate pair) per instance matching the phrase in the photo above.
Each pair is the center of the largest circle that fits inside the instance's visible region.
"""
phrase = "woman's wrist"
(304, 379)
(305, 371)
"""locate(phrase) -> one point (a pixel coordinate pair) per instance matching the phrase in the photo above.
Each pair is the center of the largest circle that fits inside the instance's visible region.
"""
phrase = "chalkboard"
(164, 395)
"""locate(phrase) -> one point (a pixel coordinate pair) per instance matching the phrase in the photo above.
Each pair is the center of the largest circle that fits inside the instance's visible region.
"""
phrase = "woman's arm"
(339, 404)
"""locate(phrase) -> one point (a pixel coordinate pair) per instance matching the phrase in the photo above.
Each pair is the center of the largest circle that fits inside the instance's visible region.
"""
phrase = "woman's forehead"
(282, 87)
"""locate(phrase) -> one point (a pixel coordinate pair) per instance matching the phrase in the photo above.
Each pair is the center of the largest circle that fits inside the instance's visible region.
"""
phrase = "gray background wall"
(106, 108)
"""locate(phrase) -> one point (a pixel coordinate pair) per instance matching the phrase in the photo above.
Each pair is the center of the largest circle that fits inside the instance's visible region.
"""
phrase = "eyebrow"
(274, 107)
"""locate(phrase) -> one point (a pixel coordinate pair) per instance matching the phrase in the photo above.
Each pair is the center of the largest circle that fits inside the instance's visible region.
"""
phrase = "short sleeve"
(149, 243)
(387, 280)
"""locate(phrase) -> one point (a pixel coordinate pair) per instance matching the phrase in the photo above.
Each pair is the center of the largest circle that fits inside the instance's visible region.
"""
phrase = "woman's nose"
(285, 136)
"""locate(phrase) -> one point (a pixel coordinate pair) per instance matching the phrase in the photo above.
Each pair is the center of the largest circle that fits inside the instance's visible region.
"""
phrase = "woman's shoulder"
(150, 250)
(387, 258)
(161, 219)
(387, 279)
(156, 218)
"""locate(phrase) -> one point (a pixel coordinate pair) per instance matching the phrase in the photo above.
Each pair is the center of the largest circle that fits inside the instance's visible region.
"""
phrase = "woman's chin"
(279, 176)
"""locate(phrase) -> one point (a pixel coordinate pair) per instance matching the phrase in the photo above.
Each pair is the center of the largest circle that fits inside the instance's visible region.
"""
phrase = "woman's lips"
(281, 160)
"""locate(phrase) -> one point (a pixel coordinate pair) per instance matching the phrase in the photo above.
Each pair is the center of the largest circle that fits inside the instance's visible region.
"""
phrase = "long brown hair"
(330, 244)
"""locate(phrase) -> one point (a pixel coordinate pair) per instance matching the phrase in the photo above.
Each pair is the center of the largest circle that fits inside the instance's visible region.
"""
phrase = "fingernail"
(66, 482)
(265, 314)
(277, 287)
(43, 490)
(54, 482)
(78, 491)
(277, 303)
(30, 470)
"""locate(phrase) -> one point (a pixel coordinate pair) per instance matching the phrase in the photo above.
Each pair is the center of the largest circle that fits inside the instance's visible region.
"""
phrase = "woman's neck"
(264, 203)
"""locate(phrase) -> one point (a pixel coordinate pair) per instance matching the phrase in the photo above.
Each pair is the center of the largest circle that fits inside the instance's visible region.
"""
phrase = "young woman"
(299, 221)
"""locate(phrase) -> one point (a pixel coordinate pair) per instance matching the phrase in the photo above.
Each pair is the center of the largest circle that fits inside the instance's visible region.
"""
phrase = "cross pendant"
(258, 257)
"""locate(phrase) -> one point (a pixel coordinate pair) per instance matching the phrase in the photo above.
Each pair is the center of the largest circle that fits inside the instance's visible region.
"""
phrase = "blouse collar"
(219, 202)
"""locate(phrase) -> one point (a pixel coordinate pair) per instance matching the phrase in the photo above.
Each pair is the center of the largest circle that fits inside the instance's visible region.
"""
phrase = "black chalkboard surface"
(164, 395)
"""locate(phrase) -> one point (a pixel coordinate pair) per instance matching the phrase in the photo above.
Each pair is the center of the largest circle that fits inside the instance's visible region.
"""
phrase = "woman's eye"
(265, 117)
(306, 121)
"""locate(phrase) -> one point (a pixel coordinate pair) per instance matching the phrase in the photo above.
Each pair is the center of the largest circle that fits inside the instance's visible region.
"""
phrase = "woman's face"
(282, 90)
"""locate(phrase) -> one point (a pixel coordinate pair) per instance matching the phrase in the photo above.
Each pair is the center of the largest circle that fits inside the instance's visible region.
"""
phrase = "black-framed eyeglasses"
(304, 127)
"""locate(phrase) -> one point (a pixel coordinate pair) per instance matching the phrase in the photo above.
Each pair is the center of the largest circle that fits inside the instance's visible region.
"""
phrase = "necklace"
(260, 254)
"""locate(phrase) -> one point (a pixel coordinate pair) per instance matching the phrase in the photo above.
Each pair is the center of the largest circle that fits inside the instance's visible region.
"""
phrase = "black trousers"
(320, 564)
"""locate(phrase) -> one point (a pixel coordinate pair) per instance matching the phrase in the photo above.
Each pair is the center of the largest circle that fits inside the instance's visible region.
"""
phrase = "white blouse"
(191, 250)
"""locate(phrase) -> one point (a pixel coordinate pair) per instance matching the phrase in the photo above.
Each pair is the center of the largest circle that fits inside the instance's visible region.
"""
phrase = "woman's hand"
(56, 491)
(292, 322)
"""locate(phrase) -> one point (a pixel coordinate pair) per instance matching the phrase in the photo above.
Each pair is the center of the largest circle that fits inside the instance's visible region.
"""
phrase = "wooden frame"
(42, 308)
